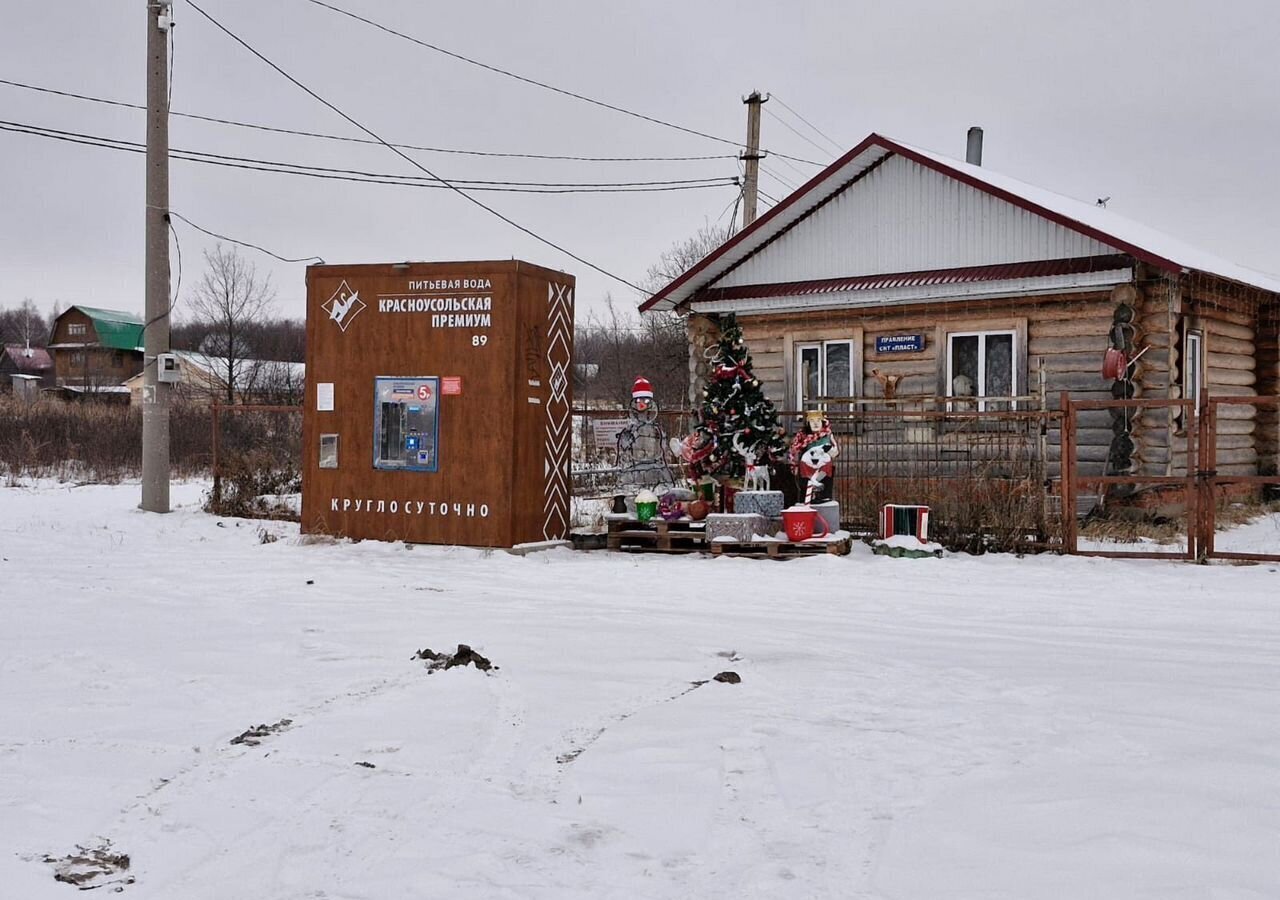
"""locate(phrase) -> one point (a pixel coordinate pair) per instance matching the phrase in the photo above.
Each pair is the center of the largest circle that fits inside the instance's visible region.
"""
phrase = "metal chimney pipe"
(973, 154)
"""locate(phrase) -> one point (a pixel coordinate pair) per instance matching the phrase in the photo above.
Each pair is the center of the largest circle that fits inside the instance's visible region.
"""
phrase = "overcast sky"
(1171, 108)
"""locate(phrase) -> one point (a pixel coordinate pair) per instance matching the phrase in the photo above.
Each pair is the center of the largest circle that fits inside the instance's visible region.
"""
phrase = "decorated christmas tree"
(735, 420)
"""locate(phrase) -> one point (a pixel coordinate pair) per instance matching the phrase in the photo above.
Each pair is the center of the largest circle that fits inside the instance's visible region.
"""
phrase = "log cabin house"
(898, 271)
(96, 350)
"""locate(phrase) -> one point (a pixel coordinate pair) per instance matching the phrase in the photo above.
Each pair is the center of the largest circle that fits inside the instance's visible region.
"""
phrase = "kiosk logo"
(344, 305)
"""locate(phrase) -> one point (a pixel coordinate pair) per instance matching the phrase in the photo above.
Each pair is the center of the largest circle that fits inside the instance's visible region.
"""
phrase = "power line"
(785, 124)
(839, 147)
(803, 176)
(778, 178)
(413, 162)
(356, 140)
(536, 83)
(732, 203)
(290, 168)
(231, 240)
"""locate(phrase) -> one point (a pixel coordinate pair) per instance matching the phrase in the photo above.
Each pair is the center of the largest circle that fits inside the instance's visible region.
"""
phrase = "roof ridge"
(1108, 227)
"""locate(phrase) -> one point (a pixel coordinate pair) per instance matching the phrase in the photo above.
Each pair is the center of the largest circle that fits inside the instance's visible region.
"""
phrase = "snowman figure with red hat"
(642, 445)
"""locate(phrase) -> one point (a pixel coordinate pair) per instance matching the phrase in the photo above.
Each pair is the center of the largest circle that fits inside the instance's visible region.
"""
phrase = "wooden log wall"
(1268, 354)
(1229, 321)
(1068, 331)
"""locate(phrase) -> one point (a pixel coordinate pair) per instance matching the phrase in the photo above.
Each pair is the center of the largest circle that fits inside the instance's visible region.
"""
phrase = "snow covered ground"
(1261, 536)
(960, 727)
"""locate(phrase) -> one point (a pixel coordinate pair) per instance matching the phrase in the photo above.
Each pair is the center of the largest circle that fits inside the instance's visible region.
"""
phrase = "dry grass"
(261, 452)
(1128, 525)
(92, 442)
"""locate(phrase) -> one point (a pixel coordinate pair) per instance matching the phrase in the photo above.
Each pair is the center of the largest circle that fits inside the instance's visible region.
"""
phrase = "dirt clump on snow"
(728, 678)
(88, 869)
(252, 737)
(463, 656)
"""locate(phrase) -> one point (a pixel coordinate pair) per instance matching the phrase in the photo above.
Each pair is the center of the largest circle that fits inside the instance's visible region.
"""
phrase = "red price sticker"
(451, 385)
(424, 392)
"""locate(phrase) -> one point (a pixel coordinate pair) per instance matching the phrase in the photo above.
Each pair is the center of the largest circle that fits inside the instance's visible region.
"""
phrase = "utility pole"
(751, 184)
(155, 335)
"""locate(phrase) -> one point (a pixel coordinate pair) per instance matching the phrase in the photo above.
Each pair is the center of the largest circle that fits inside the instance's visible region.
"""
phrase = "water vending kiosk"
(438, 402)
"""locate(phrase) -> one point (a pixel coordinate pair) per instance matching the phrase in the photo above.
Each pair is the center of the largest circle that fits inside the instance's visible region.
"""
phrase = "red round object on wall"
(1114, 364)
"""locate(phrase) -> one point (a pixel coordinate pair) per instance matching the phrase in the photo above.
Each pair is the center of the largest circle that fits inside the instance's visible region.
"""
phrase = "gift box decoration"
(741, 527)
(762, 503)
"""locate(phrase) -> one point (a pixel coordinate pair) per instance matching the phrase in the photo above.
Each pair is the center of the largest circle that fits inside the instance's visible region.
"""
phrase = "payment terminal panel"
(406, 423)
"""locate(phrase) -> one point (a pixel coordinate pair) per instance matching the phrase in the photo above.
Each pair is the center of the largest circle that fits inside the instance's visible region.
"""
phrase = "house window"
(77, 328)
(981, 364)
(1193, 367)
(117, 359)
(823, 370)
(77, 359)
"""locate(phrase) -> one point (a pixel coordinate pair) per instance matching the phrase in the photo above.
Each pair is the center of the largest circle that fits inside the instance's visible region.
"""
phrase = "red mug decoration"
(800, 521)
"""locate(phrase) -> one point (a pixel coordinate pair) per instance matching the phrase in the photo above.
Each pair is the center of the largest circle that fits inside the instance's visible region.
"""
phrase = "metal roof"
(29, 359)
(1115, 231)
(116, 329)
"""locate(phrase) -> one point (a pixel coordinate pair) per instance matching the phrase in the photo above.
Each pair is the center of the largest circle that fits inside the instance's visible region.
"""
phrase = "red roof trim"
(962, 275)
(894, 147)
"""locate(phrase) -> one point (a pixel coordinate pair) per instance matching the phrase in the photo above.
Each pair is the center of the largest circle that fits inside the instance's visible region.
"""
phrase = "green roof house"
(96, 350)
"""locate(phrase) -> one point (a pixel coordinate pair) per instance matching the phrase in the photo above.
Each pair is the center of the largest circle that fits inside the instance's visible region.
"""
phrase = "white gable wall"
(904, 217)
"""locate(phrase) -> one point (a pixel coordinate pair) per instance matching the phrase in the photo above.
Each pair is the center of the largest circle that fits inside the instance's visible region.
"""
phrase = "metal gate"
(1247, 428)
(1216, 485)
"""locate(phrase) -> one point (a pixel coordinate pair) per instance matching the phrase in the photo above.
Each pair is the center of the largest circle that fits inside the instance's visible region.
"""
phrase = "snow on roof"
(1141, 242)
(28, 358)
(1109, 223)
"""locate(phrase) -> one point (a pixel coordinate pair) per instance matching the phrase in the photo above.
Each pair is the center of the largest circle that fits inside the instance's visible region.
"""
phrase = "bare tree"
(24, 325)
(681, 256)
(233, 301)
(613, 347)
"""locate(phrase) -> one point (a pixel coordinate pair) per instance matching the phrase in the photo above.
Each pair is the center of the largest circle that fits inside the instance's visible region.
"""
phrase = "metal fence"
(983, 471)
(1222, 455)
(256, 458)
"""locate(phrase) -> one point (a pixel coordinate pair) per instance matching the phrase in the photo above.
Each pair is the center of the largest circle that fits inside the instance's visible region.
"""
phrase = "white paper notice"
(324, 396)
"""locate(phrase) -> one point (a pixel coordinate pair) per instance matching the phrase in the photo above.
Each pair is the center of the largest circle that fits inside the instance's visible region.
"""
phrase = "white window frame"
(981, 387)
(1193, 366)
(77, 328)
(798, 349)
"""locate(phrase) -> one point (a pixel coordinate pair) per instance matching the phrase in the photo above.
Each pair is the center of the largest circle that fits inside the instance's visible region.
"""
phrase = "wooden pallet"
(781, 549)
(657, 536)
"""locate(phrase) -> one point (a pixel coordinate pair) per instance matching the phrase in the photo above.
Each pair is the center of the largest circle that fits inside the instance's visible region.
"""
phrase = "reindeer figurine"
(888, 384)
(757, 477)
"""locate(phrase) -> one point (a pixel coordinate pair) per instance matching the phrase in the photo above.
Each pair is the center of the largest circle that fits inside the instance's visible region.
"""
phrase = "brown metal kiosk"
(438, 402)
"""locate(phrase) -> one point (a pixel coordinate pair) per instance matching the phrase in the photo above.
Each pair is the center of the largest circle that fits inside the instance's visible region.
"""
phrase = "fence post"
(1067, 454)
(1192, 484)
(1208, 473)
(217, 476)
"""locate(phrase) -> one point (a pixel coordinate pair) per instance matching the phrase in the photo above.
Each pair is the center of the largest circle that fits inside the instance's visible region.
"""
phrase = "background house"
(95, 350)
(900, 271)
(204, 380)
(18, 359)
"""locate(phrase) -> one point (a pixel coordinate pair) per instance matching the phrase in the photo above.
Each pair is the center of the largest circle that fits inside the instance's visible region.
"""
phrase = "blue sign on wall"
(900, 343)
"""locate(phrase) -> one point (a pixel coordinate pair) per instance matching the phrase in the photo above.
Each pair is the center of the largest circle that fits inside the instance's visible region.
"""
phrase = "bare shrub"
(92, 442)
